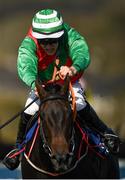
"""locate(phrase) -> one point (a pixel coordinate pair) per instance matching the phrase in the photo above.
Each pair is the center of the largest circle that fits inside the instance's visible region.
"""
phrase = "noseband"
(45, 143)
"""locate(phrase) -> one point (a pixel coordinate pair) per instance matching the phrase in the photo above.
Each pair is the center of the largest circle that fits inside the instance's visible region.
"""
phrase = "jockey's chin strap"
(56, 76)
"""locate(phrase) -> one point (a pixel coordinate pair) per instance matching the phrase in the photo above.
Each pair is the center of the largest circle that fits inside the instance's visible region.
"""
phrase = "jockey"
(50, 38)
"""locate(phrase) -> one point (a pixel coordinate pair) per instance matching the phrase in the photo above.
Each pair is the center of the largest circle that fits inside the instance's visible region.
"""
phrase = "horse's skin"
(58, 117)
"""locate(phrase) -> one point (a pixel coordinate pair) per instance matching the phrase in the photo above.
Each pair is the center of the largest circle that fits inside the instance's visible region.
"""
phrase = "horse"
(56, 150)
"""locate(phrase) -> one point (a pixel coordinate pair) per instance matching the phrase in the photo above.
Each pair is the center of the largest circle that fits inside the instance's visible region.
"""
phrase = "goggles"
(48, 41)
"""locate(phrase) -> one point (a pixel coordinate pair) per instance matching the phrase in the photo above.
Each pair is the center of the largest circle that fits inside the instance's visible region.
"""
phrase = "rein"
(56, 76)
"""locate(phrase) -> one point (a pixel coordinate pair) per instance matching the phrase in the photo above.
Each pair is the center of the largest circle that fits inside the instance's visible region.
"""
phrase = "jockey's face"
(49, 45)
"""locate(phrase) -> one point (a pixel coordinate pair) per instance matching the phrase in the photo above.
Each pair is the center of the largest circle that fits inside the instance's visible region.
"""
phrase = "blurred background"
(102, 23)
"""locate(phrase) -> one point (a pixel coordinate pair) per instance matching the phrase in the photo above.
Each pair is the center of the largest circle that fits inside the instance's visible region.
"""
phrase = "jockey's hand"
(112, 142)
(64, 70)
(36, 92)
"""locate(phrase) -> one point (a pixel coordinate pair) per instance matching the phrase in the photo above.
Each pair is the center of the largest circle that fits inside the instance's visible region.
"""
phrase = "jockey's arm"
(27, 62)
(78, 52)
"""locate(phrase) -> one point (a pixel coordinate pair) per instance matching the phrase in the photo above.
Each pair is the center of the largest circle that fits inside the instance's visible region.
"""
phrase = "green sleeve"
(78, 50)
(27, 62)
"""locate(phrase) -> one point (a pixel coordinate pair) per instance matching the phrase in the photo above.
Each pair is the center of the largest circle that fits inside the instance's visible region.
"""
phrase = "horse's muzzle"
(61, 163)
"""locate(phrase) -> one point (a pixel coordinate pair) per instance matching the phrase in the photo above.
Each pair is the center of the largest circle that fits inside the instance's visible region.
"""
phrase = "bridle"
(45, 144)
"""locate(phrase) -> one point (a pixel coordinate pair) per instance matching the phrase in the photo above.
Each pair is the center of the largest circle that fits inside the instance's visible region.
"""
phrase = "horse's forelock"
(53, 88)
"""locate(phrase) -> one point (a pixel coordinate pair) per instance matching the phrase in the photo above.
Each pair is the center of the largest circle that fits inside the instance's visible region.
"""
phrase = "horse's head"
(56, 124)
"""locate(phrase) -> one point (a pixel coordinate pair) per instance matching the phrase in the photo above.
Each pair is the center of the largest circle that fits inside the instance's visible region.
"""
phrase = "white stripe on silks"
(47, 26)
(42, 36)
(41, 16)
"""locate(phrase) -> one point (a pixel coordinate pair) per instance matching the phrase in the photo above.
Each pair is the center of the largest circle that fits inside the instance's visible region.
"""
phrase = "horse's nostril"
(61, 162)
(60, 157)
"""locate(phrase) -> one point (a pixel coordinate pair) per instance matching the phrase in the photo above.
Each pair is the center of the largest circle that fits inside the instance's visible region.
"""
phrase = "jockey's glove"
(112, 143)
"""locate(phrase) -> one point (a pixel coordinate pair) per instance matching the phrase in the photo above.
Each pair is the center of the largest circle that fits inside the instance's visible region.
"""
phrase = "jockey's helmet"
(47, 23)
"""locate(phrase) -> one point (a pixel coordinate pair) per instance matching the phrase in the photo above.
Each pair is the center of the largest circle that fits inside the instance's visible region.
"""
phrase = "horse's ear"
(65, 87)
(41, 91)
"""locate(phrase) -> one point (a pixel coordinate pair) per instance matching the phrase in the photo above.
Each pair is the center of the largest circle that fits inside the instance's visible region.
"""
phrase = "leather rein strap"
(56, 76)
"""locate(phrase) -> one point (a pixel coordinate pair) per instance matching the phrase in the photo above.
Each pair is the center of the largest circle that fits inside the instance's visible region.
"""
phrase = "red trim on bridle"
(23, 149)
(85, 138)
(17, 153)
(34, 139)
